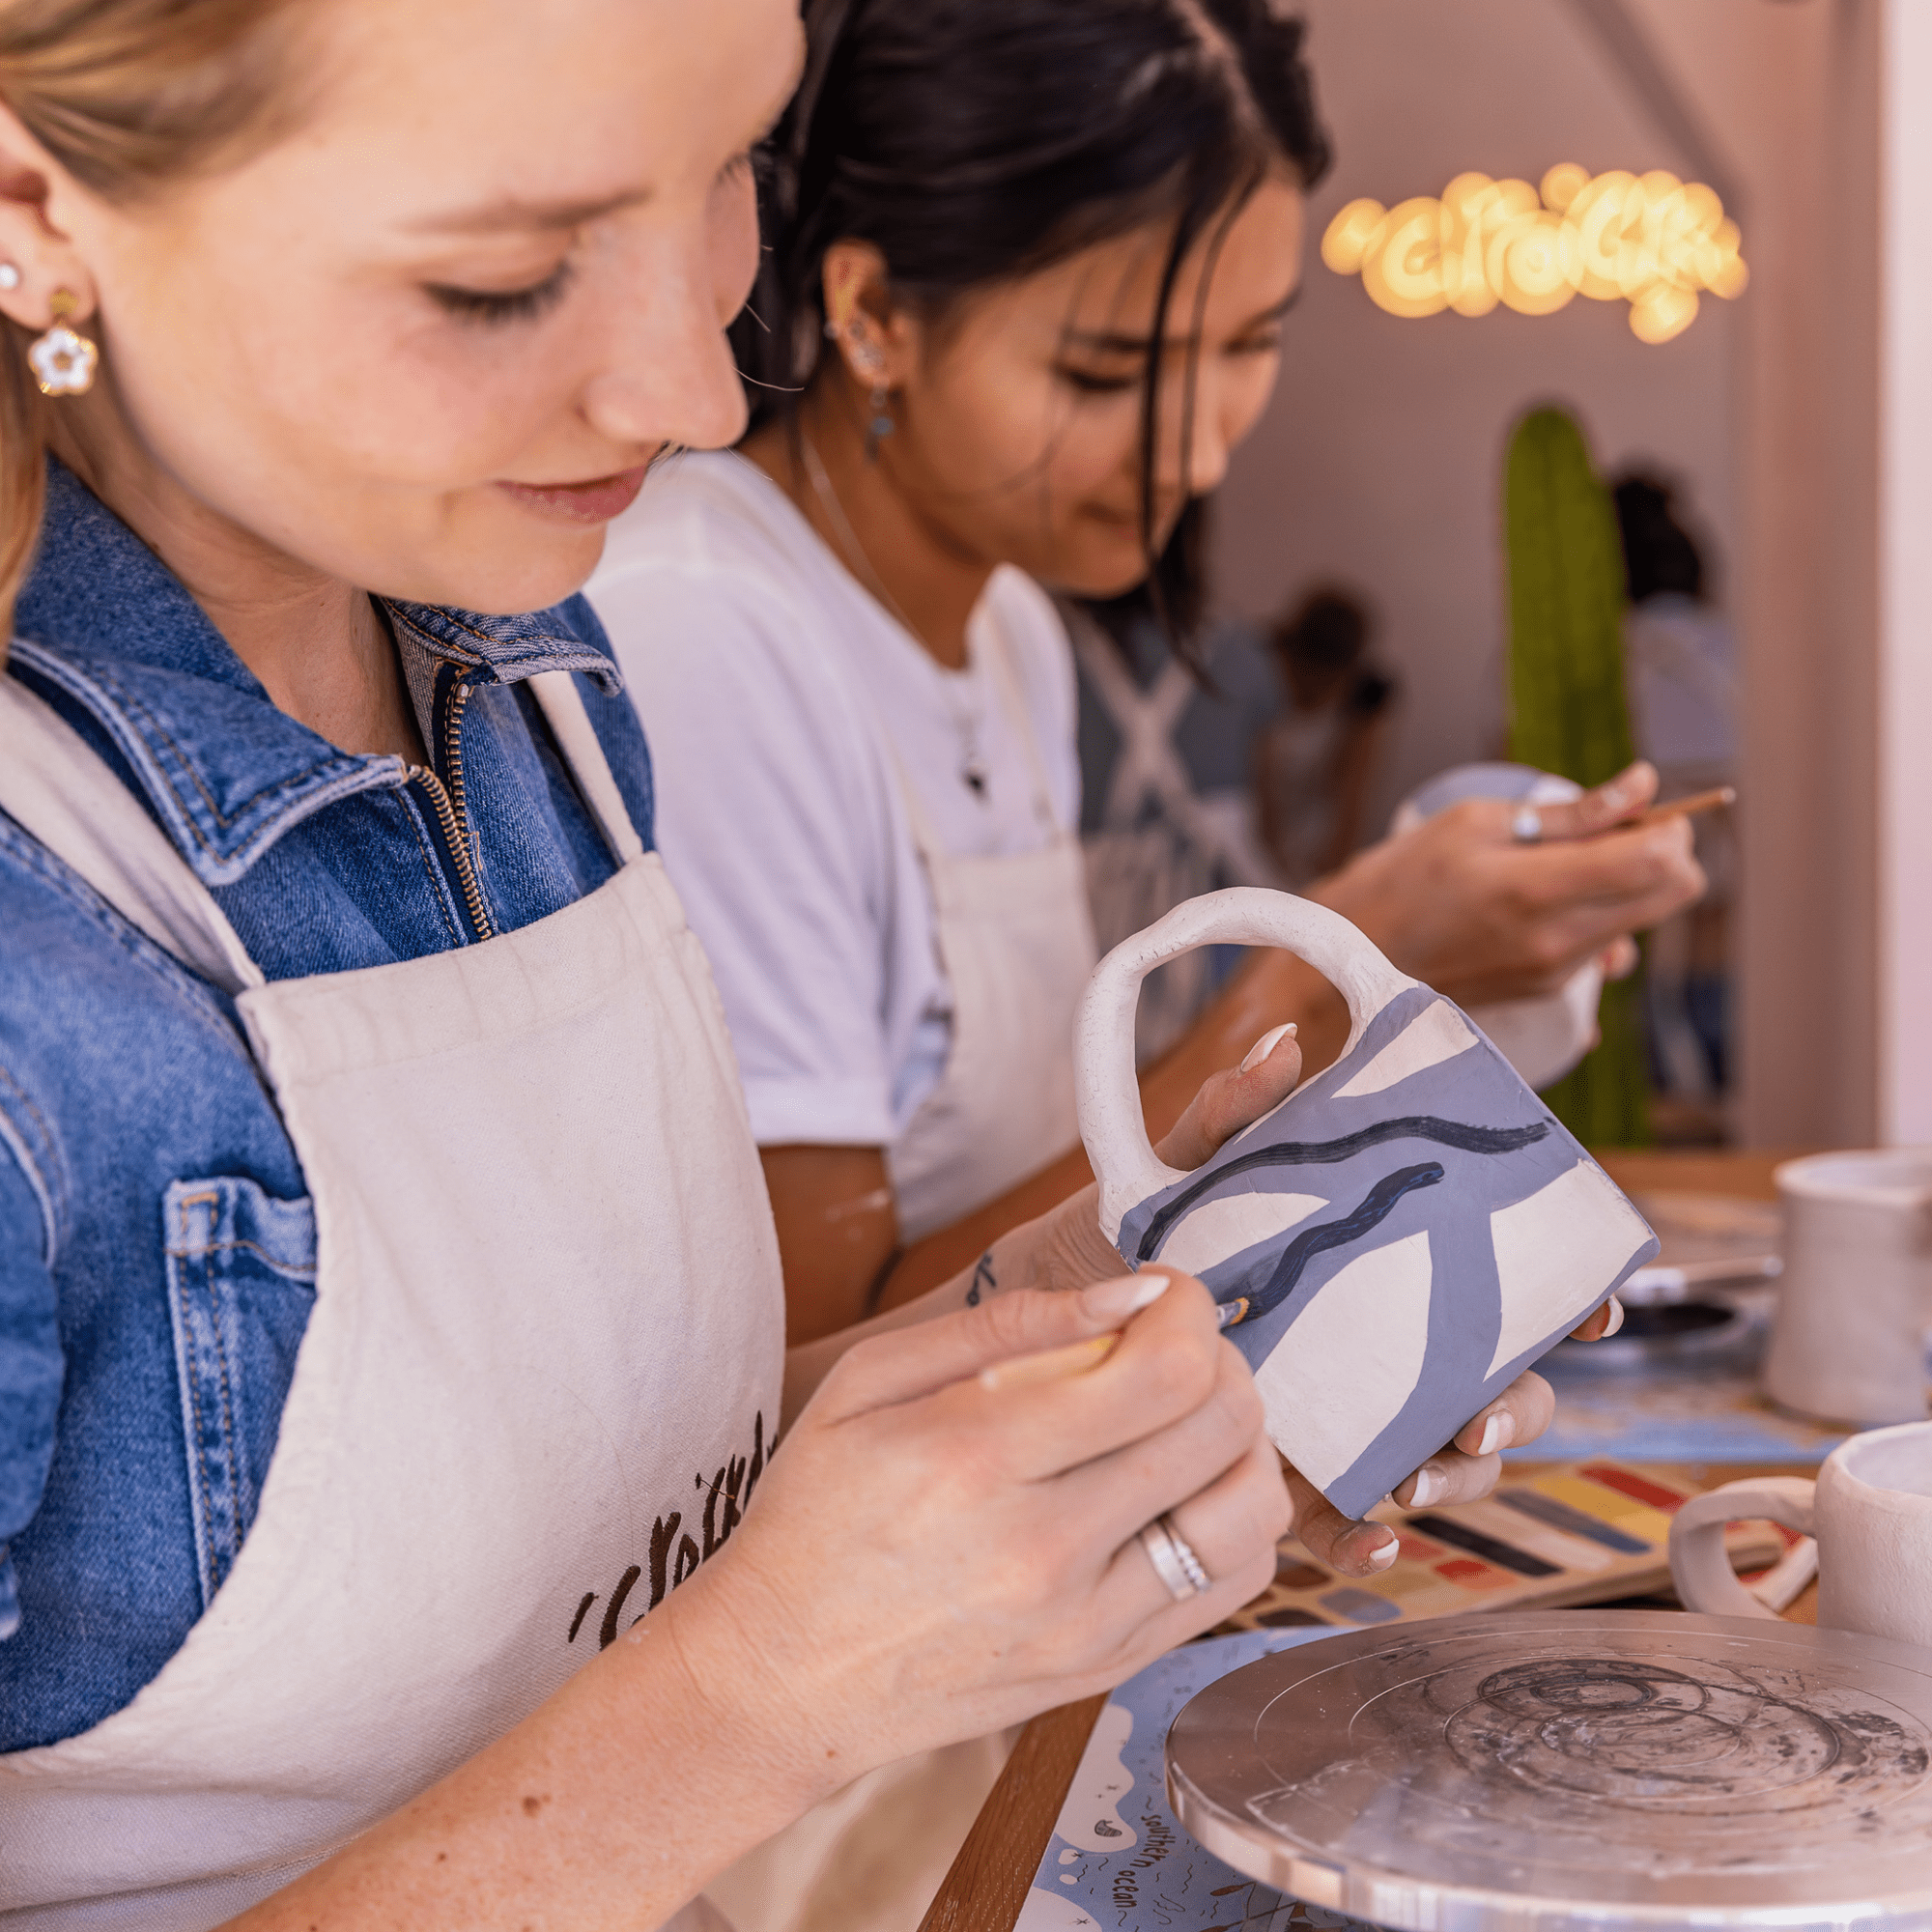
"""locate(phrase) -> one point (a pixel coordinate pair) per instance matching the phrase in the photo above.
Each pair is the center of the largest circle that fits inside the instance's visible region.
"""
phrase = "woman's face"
(1019, 417)
(428, 342)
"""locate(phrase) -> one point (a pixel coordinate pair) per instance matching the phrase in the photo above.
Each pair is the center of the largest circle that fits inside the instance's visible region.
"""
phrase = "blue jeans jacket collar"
(226, 777)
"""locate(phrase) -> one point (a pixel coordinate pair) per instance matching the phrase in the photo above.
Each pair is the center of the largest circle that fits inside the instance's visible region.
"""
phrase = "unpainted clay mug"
(1390, 1246)
(1543, 1035)
(1847, 1340)
(1871, 1512)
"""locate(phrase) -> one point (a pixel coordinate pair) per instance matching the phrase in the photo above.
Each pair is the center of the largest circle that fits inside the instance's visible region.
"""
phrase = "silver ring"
(1173, 1560)
(1526, 825)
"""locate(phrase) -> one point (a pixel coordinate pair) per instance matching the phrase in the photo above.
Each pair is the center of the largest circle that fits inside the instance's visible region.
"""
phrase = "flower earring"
(870, 360)
(63, 361)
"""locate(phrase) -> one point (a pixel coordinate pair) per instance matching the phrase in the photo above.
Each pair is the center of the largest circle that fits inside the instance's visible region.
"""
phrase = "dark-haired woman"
(1027, 270)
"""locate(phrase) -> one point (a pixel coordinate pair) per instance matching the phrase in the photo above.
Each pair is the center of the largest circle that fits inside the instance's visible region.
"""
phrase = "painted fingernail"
(1431, 1485)
(1127, 1295)
(1266, 1045)
(1616, 1322)
(1497, 1432)
(1385, 1553)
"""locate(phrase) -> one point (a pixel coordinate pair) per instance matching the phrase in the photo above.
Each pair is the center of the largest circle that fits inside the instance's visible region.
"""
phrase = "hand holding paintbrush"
(1688, 806)
(1463, 1470)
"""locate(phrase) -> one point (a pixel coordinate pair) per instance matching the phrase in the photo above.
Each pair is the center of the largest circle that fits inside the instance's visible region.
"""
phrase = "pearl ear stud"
(10, 275)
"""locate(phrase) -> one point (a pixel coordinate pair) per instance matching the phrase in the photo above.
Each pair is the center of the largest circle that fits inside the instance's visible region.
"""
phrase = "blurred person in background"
(1167, 805)
(1247, 763)
(1316, 758)
(1681, 664)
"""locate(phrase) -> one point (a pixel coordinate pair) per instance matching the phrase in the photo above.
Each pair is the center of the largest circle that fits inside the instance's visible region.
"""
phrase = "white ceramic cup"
(1871, 1512)
(1545, 1035)
(1847, 1342)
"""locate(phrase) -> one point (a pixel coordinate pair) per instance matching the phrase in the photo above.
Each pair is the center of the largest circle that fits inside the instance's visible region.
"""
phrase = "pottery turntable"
(1574, 1771)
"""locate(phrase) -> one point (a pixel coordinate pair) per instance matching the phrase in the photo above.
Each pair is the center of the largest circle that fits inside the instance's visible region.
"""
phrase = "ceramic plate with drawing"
(1396, 1241)
(1574, 1771)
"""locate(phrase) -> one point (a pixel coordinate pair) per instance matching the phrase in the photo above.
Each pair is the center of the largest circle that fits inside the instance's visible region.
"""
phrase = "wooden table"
(988, 1882)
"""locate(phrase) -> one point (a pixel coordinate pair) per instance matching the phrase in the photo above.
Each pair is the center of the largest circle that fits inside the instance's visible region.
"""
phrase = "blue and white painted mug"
(1395, 1242)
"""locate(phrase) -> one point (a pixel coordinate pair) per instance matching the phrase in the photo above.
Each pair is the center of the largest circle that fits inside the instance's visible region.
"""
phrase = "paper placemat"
(1580, 1533)
(1118, 1861)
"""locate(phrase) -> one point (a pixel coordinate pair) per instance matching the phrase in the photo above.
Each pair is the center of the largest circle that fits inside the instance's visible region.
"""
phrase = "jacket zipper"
(450, 815)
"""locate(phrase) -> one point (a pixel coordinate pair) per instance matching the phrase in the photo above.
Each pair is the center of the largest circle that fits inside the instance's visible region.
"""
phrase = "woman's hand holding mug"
(1066, 1248)
(1871, 1512)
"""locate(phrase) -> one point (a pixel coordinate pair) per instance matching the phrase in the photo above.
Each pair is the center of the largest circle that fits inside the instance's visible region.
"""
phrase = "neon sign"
(1650, 240)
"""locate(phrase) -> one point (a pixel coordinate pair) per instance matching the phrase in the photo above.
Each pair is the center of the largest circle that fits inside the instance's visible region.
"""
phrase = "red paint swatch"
(1637, 1487)
(1471, 1575)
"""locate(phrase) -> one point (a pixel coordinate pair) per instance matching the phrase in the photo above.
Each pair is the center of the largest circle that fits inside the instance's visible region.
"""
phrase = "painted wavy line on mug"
(1458, 1134)
(1375, 1207)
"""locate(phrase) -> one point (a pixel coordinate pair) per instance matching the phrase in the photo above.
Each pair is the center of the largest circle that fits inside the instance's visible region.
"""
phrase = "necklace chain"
(973, 772)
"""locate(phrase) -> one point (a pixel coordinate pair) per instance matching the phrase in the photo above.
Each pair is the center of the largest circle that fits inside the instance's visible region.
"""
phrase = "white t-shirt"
(782, 704)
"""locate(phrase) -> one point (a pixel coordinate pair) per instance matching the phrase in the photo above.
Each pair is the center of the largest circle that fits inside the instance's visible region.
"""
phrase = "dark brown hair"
(976, 141)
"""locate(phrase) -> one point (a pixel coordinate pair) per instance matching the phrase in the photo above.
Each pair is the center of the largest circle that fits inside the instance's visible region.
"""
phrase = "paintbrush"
(1050, 1365)
(1688, 806)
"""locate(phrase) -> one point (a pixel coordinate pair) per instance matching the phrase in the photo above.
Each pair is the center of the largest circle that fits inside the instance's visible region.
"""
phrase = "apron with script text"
(1017, 943)
(539, 1383)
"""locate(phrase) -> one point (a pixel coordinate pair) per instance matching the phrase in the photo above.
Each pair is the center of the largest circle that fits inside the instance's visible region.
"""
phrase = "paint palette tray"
(1587, 1532)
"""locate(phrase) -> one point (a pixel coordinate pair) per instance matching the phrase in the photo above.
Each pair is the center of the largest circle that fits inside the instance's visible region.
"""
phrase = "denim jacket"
(157, 1246)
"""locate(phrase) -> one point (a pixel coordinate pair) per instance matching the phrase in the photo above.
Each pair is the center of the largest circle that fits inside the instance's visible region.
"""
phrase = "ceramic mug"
(1390, 1246)
(1545, 1035)
(1847, 1341)
(1871, 1512)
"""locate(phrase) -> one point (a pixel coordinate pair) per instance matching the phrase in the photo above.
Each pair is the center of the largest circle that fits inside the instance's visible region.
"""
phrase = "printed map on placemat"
(1118, 1861)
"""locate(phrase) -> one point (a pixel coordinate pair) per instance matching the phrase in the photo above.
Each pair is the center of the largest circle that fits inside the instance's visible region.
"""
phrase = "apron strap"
(54, 784)
(556, 691)
(1007, 687)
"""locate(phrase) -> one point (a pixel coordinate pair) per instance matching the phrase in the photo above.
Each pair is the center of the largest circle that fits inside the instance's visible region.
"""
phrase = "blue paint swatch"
(1560, 1516)
(1361, 1607)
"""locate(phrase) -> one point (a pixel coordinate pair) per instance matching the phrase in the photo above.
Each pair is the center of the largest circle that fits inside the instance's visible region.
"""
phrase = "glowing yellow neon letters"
(1649, 240)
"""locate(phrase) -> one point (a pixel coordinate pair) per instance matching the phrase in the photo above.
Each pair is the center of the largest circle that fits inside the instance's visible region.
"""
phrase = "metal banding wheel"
(1574, 1771)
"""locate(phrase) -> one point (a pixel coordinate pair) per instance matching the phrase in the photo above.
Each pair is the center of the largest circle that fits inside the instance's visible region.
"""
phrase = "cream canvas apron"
(540, 1379)
(1016, 942)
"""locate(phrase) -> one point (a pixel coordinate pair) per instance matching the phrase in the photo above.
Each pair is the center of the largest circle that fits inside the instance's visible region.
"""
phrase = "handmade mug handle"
(1108, 1088)
(1701, 1567)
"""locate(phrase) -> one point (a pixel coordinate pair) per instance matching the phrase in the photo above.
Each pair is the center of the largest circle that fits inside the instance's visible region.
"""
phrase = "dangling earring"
(871, 361)
(881, 424)
(63, 361)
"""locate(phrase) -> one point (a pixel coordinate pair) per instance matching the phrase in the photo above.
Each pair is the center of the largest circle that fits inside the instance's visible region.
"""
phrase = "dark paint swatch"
(1490, 1548)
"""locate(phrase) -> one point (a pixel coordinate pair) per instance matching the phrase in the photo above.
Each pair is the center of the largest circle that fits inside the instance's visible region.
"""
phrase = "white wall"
(1905, 620)
(1800, 416)
(1379, 460)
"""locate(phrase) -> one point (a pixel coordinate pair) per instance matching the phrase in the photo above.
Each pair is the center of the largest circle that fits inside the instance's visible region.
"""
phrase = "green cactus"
(1567, 709)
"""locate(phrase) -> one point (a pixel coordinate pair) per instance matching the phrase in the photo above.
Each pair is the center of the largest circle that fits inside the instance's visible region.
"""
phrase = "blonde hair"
(128, 95)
